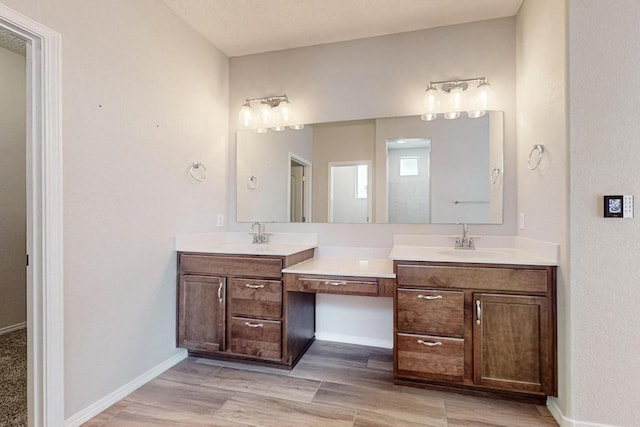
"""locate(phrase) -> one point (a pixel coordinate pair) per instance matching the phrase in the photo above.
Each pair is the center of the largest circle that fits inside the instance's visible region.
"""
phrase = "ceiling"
(12, 42)
(243, 27)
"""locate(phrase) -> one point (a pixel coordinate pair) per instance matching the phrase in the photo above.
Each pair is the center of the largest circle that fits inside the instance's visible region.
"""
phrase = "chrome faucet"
(464, 242)
(259, 237)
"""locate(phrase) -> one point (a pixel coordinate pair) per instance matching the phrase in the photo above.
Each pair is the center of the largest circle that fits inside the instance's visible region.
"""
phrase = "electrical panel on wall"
(618, 206)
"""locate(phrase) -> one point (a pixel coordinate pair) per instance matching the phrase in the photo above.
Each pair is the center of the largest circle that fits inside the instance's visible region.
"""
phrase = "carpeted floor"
(13, 377)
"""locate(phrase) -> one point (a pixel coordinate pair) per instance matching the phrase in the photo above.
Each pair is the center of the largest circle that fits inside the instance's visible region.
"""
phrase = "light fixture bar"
(448, 97)
(272, 112)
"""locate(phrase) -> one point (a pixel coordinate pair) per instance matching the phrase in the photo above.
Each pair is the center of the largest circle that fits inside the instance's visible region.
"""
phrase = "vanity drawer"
(255, 298)
(490, 278)
(431, 312)
(231, 265)
(260, 338)
(336, 285)
(425, 356)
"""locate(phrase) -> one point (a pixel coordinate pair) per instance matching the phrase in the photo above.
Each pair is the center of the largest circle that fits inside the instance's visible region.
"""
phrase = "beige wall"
(12, 189)
(604, 89)
(543, 193)
(143, 96)
(382, 77)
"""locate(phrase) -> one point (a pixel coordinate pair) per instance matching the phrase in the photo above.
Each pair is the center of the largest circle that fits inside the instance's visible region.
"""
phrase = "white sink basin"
(470, 253)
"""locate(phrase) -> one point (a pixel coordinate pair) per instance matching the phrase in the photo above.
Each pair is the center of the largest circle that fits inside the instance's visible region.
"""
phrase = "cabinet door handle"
(429, 343)
(220, 292)
(478, 312)
(254, 325)
(430, 297)
(250, 286)
(334, 283)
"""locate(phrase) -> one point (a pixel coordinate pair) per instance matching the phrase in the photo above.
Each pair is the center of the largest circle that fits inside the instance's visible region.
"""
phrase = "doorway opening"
(350, 191)
(44, 296)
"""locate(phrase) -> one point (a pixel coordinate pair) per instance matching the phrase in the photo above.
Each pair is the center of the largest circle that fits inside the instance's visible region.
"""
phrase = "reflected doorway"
(349, 191)
(408, 180)
(299, 185)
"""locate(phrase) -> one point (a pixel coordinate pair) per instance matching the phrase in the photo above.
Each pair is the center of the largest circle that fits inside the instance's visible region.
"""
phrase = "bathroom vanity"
(480, 322)
(234, 306)
(481, 327)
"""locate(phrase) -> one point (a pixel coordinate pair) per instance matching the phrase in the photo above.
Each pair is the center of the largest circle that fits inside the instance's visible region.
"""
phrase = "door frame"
(307, 186)
(45, 343)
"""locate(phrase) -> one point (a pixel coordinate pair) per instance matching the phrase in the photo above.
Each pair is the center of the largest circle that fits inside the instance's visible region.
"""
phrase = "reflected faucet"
(259, 237)
(464, 242)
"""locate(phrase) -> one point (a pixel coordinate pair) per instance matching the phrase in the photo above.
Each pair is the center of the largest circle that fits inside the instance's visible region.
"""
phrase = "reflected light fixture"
(271, 112)
(452, 97)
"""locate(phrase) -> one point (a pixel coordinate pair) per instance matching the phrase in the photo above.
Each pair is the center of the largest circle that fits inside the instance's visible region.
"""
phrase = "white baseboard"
(350, 339)
(102, 404)
(12, 328)
(564, 421)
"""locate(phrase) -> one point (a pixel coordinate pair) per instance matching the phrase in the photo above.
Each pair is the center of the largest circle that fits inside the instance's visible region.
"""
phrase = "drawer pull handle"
(334, 283)
(430, 297)
(254, 325)
(250, 286)
(220, 292)
(478, 312)
(429, 343)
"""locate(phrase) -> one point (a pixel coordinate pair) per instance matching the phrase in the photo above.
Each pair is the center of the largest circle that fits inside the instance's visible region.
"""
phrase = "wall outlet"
(220, 220)
(521, 223)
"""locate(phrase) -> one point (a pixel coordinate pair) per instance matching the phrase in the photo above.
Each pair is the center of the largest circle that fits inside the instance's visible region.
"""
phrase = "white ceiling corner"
(243, 27)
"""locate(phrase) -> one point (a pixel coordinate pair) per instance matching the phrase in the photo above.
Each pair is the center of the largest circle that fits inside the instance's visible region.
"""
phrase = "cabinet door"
(512, 342)
(201, 313)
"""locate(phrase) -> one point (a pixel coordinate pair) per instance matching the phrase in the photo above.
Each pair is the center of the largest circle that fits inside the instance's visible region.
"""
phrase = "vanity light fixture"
(271, 112)
(450, 97)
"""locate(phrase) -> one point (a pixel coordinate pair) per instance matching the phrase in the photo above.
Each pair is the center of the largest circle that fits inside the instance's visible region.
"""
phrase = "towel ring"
(201, 176)
(539, 149)
(495, 174)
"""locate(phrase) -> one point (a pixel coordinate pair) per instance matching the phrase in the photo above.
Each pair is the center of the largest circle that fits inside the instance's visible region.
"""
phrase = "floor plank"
(269, 412)
(180, 397)
(334, 384)
(394, 404)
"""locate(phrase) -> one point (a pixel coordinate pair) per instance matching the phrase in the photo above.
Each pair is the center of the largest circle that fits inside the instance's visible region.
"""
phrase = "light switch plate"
(627, 206)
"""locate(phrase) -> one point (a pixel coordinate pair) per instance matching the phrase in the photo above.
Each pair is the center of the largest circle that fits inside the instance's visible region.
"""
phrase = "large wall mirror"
(386, 170)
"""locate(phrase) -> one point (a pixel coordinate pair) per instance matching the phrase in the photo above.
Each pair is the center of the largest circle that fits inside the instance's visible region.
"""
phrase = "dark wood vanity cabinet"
(233, 306)
(201, 313)
(476, 327)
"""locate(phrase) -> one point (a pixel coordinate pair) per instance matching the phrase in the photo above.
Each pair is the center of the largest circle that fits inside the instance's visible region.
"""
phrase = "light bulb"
(430, 100)
(428, 117)
(264, 114)
(481, 100)
(285, 112)
(245, 117)
(455, 102)
(455, 98)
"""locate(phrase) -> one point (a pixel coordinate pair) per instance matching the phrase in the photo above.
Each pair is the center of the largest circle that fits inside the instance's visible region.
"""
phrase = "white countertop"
(334, 266)
(479, 255)
(281, 244)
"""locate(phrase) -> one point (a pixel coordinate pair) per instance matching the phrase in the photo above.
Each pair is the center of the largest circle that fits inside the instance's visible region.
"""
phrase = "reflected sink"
(467, 253)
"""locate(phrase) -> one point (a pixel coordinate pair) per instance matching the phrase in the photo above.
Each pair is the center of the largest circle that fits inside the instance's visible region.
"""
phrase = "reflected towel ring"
(198, 176)
(495, 174)
(536, 148)
(253, 182)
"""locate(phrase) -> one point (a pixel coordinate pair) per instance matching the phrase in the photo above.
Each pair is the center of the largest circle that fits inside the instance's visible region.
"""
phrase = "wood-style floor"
(332, 385)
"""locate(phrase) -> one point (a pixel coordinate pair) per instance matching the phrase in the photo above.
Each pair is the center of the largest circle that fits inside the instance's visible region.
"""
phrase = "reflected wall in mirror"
(385, 170)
